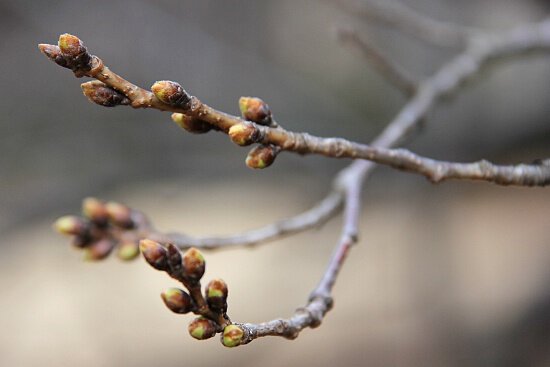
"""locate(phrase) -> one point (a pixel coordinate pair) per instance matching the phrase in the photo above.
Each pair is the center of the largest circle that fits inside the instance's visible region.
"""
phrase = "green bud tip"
(170, 92)
(191, 124)
(128, 251)
(216, 288)
(243, 134)
(193, 263)
(70, 225)
(202, 328)
(261, 157)
(232, 336)
(99, 250)
(256, 110)
(119, 214)
(154, 253)
(70, 45)
(177, 300)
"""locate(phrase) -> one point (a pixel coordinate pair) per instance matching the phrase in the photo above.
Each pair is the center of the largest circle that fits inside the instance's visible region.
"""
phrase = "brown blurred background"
(449, 275)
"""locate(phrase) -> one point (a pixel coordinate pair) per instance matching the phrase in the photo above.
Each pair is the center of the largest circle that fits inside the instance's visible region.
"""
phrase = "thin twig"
(386, 67)
(400, 16)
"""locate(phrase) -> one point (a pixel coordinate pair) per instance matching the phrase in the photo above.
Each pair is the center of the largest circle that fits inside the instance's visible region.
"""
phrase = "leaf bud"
(154, 253)
(95, 210)
(216, 294)
(193, 264)
(256, 110)
(72, 225)
(53, 53)
(170, 93)
(261, 156)
(73, 49)
(99, 250)
(232, 336)
(119, 214)
(128, 250)
(177, 300)
(191, 124)
(99, 93)
(243, 134)
(175, 261)
(202, 328)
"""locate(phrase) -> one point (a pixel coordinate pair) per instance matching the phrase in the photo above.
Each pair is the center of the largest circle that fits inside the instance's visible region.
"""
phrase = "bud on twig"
(98, 92)
(95, 210)
(193, 264)
(262, 156)
(99, 250)
(256, 110)
(243, 134)
(170, 93)
(53, 53)
(202, 328)
(216, 294)
(177, 300)
(154, 254)
(191, 124)
(128, 250)
(71, 225)
(119, 214)
(232, 336)
(73, 49)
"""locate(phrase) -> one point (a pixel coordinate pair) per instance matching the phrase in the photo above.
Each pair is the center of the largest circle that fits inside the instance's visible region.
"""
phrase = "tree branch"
(169, 96)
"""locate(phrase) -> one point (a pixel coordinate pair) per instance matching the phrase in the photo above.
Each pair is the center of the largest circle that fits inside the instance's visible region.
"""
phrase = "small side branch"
(386, 67)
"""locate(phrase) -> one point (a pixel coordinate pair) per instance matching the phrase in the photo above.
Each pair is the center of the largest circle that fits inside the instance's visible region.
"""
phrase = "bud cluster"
(69, 53)
(101, 228)
(189, 268)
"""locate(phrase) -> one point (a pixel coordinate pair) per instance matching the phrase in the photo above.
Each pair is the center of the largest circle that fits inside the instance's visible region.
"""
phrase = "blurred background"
(450, 275)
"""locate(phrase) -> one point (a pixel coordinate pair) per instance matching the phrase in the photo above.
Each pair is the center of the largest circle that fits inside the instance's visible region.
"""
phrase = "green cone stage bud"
(216, 295)
(177, 300)
(232, 336)
(243, 134)
(73, 50)
(193, 264)
(191, 124)
(128, 250)
(99, 250)
(120, 215)
(261, 156)
(154, 253)
(99, 93)
(202, 328)
(71, 225)
(255, 110)
(170, 93)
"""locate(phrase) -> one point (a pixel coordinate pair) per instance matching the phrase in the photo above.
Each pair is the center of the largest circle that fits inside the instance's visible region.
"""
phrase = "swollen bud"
(256, 110)
(232, 336)
(154, 254)
(70, 45)
(99, 250)
(170, 93)
(71, 225)
(216, 294)
(193, 264)
(95, 210)
(191, 124)
(120, 215)
(174, 259)
(261, 156)
(177, 300)
(202, 328)
(53, 53)
(243, 134)
(128, 250)
(98, 92)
